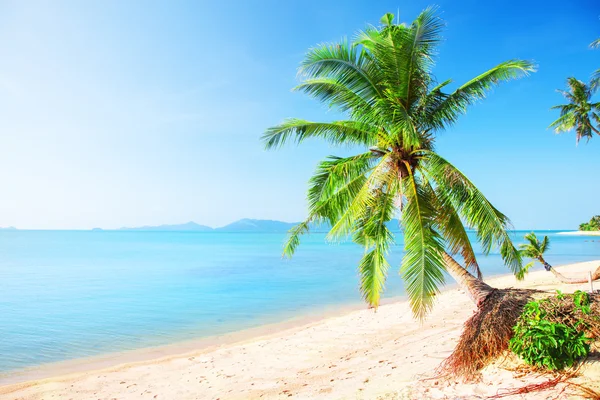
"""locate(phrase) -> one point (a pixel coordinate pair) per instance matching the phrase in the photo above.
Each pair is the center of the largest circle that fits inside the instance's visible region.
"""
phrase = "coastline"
(178, 348)
(347, 350)
(580, 233)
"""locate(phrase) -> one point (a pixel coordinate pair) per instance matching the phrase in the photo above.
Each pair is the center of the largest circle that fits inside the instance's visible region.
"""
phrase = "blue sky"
(130, 113)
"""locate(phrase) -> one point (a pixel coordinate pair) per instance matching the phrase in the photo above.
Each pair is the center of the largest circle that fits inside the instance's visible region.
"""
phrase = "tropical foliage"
(580, 113)
(394, 106)
(543, 340)
(596, 75)
(535, 249)
(592, 225)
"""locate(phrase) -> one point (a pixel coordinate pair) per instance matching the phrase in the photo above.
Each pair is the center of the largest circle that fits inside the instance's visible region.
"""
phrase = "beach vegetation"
(549, 332)
(556, 332)
(394, 107)
(592, 225)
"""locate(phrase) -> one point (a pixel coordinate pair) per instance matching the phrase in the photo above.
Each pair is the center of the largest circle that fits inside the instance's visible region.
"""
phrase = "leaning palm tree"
(580, 113)
(382, 81)
(535, 249)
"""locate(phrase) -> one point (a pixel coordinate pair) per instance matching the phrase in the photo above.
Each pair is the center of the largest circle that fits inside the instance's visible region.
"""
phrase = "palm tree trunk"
(477, 290)
(564, 279)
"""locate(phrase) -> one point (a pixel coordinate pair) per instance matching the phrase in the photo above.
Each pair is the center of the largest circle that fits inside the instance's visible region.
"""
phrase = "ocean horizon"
(75, 294)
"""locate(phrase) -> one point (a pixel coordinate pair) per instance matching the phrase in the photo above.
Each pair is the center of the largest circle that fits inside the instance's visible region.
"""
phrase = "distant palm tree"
(580, 113)
(536, 249)
(596, 75)
(383, 82)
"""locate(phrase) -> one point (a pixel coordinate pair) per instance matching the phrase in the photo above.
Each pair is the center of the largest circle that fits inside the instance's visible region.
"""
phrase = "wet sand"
(360, 354)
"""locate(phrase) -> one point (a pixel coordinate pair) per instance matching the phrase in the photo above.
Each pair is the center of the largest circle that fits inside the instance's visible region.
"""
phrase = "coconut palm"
(534, 248)
(596, 75)
(383, 82)
(580, 113)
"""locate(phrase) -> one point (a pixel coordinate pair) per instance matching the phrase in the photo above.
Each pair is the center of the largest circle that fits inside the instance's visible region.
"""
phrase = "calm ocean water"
(73, 294)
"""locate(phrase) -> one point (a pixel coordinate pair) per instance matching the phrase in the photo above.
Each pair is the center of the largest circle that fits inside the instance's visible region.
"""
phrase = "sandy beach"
(358, 355)
(580, 233)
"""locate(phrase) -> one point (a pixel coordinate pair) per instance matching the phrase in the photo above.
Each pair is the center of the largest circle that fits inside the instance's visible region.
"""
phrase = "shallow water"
(73, 294)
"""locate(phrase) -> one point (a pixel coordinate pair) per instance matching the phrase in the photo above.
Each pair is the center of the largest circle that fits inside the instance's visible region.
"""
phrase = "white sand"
(580, 233)
(359, 355)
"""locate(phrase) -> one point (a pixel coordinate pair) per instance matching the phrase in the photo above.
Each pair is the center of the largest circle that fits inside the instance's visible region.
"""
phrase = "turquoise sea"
(74, 294)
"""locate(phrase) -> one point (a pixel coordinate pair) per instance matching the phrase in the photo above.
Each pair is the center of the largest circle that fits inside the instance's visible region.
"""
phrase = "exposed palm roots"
(486, 334)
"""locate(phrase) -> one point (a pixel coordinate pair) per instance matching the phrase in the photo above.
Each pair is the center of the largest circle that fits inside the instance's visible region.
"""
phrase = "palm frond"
(476, 89)
(545, 245)
(490, 224)
(364, 199)
(531, 249)
(564, 123)
(525, 270)
(376, 238)
(293, 238)
(337, 132)
(336, 183)
(422, 264)
(453, 230)
(343, 62)
(595, 80)
(336, 94)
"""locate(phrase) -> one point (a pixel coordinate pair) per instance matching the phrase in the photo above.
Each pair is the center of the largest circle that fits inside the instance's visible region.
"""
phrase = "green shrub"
(547, 344)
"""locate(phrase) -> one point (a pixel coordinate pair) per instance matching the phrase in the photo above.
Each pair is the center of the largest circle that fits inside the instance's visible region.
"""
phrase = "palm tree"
(596, 75)
(536, 249)
(383, 82)
(580, 113)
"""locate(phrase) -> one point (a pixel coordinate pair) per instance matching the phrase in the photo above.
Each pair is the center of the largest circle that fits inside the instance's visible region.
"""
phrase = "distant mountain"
(8, 228)
(190, 226)
(264, 225)
(246, 225)
(257, 225)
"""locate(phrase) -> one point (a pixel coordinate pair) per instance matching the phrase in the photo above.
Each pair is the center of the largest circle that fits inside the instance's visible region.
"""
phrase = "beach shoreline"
(178, 348)
(579, 233)
(353, 346)
(266, 330)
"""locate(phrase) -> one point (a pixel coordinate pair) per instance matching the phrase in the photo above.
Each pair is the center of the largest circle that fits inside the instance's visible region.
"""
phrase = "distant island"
(242, 225)
(190, 226)
(257, 225)
(8, 228)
